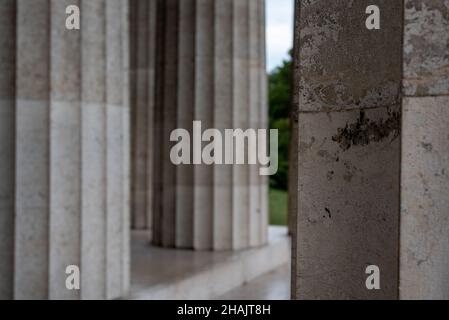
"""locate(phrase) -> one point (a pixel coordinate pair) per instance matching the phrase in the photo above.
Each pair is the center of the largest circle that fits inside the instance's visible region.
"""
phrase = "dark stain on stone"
(328, 212)
(364, 131)
(427, 146)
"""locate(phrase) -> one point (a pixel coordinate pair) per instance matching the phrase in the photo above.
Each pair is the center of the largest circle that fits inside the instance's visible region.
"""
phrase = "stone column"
(349, 149)
(424, 272)
(143, 63)
(210, 68)
(72, 149)
(7, 115)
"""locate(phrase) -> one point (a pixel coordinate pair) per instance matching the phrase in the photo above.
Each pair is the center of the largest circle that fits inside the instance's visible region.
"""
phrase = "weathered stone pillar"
(7, 115)
(71, 149)
(424, 272)
(211, 68)
(143, 63)
(349, 149)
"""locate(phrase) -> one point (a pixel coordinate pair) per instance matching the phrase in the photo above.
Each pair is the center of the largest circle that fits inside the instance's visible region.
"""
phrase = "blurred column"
(7, 115)
(210, 68)
(424, 272)
(72, 149)
(143, 63)
(349, 79)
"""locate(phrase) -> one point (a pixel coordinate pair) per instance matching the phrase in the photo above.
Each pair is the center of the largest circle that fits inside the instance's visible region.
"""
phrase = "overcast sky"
(279, 31)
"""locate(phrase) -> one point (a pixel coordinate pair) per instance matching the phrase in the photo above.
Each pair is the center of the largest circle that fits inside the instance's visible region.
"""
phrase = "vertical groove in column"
(32, 150)
(126, 155)
(170, 112)
(185, 117)
(223, 113)
(255, 110)
(93, 126)
(240, 121)
(158, 123)
(114, 147)
(7, 120)
(65, 145)
(139, 22)
(143, 32)
(203, 111)
(32, 145)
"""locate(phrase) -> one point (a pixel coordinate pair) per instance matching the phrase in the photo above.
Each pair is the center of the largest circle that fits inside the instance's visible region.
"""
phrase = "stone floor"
(181, 274)
(271, 286)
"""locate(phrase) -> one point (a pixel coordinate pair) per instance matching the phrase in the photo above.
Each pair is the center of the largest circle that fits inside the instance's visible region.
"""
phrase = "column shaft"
(424, 272)
(32, 150)
(72, 143)
(143, 59)
(349, 150)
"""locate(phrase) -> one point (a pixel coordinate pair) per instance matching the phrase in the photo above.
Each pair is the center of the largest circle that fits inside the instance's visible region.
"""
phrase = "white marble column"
(143, 63)
(349, 81)
(211, 68)
(72, 150)
(424, 272)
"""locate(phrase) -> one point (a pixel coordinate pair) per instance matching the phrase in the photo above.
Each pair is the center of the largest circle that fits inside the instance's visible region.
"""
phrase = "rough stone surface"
(425, 204)
(349, 149)
(143, 45)
(343, 65)
(426, 48)
(424, 260)
(209, 207)
(32, 151)
(348, 202)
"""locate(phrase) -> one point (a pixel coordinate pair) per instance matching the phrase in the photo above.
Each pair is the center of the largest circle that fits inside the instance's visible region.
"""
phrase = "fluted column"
(210, 68)
(424, 272)
(71, 150)
(349, 149)
(143, 63)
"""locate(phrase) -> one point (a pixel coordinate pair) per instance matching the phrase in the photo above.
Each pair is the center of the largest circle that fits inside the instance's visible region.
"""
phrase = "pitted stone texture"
(343, 64)
(426, 47)
(348, 100)
(143, 60)
(32, 150)
(425, 202)
(348, 204)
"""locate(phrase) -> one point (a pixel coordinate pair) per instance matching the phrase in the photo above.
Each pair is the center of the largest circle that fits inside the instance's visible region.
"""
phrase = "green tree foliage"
(279, 90)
